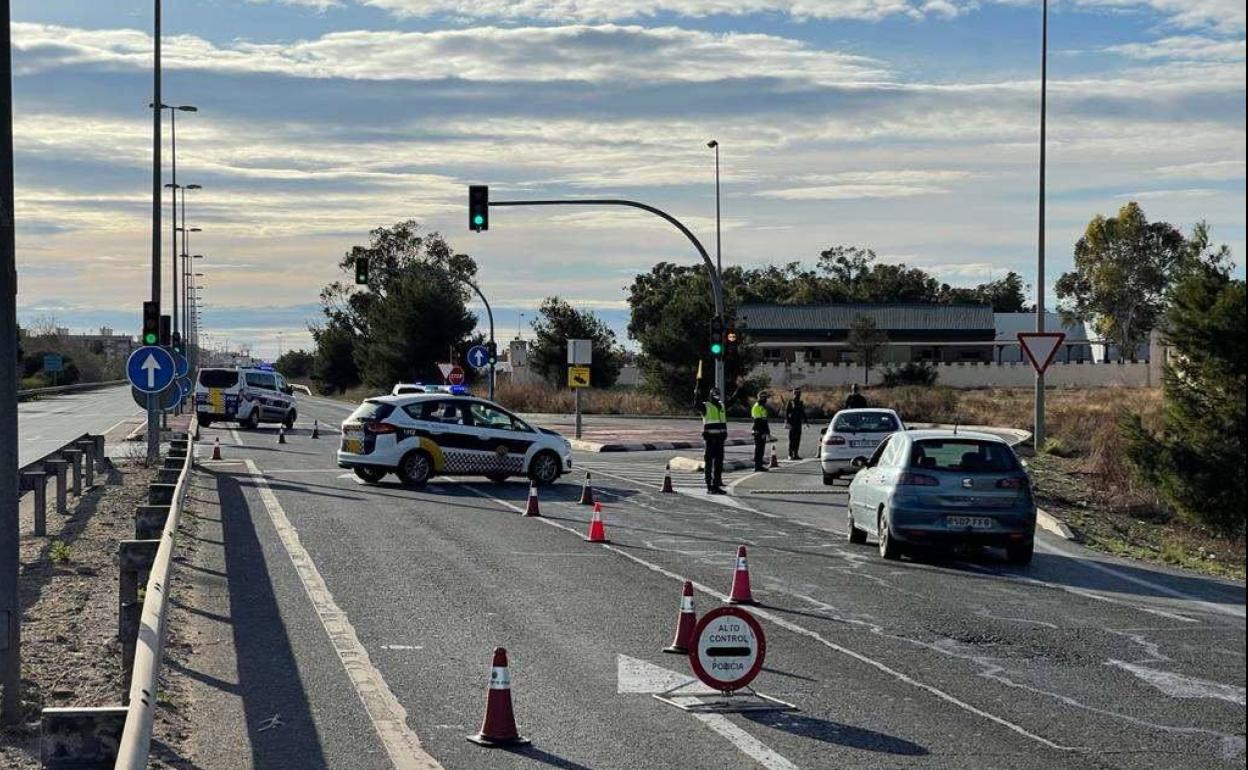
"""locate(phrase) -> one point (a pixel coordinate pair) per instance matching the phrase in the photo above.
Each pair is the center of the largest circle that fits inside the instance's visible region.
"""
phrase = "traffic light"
(717, 337)
(151, 323)
(166, 323)
(478, 207)
(492, 349)
(177, 342)
(361, 270)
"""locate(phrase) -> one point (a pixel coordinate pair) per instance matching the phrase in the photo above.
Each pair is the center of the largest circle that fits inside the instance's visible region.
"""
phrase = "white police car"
(422, 435)
(246, 395)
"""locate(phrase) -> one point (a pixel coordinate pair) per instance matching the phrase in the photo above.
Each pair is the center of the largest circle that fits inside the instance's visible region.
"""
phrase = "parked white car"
(852, 436)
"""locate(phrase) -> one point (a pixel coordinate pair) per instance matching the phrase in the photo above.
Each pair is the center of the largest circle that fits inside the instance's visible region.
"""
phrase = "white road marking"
(1232, 610)
(1180, 686)
(237, 438)
(803, 631)
(388, 716)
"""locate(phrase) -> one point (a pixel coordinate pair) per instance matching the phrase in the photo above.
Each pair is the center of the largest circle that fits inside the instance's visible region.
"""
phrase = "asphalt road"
(48, 423)
(364, 617)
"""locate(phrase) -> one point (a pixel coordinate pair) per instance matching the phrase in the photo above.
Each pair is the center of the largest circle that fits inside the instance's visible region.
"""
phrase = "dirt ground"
(68, 583)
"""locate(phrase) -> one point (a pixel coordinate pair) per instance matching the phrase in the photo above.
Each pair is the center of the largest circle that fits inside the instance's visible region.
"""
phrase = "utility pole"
(10, 602)
(153, 414)
(1038, 433)
(719, 271)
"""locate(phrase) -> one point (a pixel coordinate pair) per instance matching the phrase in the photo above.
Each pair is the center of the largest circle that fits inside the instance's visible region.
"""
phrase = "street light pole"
(719, 270)
(1038, 433)
(153, 414)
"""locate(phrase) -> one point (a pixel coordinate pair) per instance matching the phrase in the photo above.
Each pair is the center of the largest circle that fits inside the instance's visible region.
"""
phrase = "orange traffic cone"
(532, 509)
(667, 480)
(216, 448)
(498, 729)
(587, 491)
(685, 623)
(316, 429)
(740, 593)
(281, 434)
(775, 461)
(597, 532)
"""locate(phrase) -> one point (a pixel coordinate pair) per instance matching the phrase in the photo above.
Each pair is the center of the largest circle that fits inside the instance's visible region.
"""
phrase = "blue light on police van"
(458, 390)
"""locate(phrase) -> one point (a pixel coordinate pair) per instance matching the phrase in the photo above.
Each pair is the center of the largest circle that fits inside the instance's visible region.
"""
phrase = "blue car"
(943, 489)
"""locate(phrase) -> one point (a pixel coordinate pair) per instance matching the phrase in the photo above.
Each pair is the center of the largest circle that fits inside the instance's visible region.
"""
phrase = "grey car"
(943, 489)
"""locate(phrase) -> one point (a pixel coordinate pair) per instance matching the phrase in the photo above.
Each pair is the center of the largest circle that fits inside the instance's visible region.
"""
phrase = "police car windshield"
(218, 378)
(372, 410)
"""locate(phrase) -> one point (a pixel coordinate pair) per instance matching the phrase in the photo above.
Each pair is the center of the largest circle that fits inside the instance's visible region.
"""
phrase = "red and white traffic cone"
(597, 531)
(316, 429)
(216, 448)
(775, 461)
(587, 491)
(281, 434)
(685, 623)
(667, 480)
(498, 729)
(740, 593)
(532, 508)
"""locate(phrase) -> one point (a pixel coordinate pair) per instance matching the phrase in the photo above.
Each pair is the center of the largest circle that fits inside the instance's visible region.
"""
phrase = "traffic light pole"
(717, 284)
(153, 414)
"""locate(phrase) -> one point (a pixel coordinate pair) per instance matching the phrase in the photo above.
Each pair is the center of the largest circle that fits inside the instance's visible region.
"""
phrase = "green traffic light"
(150, 339)
(478, 220)
(716, 348)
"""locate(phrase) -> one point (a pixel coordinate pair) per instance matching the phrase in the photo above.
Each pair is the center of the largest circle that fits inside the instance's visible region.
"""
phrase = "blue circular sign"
(181, 365)
(184, 384)
(150, 369)
(478, 357)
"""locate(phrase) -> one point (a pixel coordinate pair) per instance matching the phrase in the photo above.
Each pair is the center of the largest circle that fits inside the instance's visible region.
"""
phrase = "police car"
(421, 435)
(246, 395)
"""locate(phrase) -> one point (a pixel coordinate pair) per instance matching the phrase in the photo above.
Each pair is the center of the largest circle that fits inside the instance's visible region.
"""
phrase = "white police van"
(246, 395)
(421, 435)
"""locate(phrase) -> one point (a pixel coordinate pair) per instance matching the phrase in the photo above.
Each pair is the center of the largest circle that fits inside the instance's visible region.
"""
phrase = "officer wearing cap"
(795, 418)
(762, 430)
(714, 435)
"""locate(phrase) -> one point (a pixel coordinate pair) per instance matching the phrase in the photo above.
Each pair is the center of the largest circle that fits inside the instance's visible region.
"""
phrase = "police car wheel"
(205, 422)
(371, 475)
(253, 420)
(544, 469)
(415, 469)
(289, 422)
(497, 478)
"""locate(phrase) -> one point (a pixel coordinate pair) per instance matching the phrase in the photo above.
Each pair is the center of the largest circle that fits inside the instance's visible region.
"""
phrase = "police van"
(421, 435)
(246, 395)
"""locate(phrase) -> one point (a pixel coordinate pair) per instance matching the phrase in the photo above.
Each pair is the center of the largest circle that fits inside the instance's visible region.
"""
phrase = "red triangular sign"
(1041, 347)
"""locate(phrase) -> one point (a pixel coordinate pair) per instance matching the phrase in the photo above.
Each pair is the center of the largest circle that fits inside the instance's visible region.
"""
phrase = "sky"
(906, 126)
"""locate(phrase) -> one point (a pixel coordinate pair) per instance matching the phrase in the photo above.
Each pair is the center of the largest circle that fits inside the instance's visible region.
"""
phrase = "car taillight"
(1012, 482)
(380, 427)
(834, 440)
(917, 480)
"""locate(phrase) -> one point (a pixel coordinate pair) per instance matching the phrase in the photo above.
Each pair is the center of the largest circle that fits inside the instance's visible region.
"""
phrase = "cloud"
(851, 185)
(616, 10)
(1184, 47)
(1205, 170)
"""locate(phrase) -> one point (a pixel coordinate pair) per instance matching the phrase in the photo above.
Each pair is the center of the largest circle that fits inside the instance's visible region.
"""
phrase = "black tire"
(856, 536)
(497, 478)
(289, 422)
(1020, 555)
(415, 469)
(371, 475)
(545, 468)
(253, 420)
(205, 422)
(890, 549)
(829, 479)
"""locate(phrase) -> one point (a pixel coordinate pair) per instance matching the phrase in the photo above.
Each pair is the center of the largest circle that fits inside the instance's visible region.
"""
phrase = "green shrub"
(910, 373)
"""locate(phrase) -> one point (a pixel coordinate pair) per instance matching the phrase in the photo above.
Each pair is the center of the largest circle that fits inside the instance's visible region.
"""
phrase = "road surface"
(341, 625)
(48, 423)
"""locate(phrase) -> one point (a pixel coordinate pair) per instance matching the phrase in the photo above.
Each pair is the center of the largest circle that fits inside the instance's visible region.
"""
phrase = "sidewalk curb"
(653, 446)
(1052, 524)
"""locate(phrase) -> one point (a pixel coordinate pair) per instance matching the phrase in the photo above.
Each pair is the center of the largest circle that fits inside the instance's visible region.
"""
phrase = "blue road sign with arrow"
(150, 369)
(181, 365)
(479, 357)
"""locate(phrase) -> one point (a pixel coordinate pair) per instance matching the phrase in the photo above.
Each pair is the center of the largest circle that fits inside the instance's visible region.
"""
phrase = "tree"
(855, 276)
(865, 340)
(1196, 462)
(559, 322)
(295, 364)
(1004, 294)
(1124, 266)
(333, 366)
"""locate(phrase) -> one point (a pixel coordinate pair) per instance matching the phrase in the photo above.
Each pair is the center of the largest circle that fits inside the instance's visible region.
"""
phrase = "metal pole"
(173, 217)
(10, 606)
(1038, 434)
(153, 414)
(719, 271)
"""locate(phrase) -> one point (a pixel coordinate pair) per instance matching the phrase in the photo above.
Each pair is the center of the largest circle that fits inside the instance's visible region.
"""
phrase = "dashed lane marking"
(388, 716)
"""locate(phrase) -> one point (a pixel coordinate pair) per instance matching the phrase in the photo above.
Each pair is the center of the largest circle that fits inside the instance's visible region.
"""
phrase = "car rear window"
(218, 378)
(865, 422)
(963, 456)
(372, 410)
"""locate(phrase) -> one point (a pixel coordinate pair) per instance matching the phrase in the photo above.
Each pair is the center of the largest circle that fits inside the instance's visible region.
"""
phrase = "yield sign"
(1040, 347)
(446, 370)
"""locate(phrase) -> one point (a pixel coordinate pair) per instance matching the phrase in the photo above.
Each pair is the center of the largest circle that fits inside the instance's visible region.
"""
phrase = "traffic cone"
(775, 461)
(281, 434)
(216, 448)
(316, 429)
(684, 624)
(667, 480)
(587, 491)
(498, 729)
(597, 532)
(740, 593)
(532, 508)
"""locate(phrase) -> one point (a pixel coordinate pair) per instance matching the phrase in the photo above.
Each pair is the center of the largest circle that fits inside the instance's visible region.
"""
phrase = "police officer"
(795, 418)
(714, 435)
(855, 400)
(762, 430)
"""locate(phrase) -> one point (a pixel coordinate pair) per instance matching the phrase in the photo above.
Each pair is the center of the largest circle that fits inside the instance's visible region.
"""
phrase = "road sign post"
(10, 606)
(580, 356)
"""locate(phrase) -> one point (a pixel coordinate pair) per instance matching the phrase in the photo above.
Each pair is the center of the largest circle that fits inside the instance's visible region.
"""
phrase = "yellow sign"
(578, 376)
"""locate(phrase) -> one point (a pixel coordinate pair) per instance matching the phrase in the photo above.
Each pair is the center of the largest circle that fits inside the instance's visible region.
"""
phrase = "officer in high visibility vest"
(714, 435)
(762, 429)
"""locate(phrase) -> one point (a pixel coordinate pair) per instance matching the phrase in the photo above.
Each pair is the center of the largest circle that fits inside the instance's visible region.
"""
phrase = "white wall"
(970, 375)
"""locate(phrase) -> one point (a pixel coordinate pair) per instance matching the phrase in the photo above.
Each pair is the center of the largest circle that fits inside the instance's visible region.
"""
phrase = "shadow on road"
(545, 757)
(836, 733)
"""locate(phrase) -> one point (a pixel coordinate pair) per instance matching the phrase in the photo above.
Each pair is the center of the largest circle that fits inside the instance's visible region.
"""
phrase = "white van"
(246, 395)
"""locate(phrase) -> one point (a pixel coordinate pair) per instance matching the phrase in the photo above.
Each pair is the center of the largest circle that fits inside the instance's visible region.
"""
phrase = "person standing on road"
(795, 418)
(855, 400)
(762, 430)
(714, 436)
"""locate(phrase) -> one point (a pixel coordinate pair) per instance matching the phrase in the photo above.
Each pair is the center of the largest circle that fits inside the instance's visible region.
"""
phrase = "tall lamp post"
(719, 267)
(1038, 433)
(185, 251)
(173, 203)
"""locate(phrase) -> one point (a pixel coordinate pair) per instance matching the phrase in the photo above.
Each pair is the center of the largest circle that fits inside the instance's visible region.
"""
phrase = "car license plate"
(862, 444)
(971, 522)
(354, 446)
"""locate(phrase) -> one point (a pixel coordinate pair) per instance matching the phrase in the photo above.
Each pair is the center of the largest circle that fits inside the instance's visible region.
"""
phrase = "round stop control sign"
(729, 648)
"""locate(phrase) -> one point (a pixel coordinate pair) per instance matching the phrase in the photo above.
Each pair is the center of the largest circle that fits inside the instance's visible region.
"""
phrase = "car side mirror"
(822, 431)
(288, 390)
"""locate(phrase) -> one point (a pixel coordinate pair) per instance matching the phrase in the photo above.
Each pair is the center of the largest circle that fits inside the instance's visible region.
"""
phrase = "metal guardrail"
(136, 737)
(55, 389)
